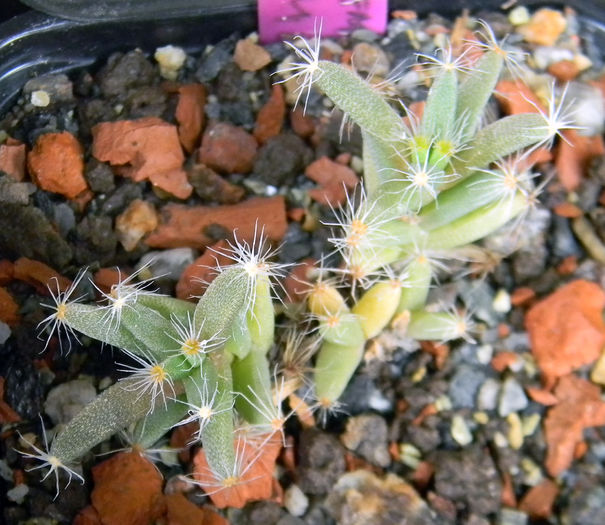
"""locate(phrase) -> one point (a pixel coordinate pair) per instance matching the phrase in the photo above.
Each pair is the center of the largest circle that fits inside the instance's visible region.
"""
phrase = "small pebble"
(501, 301)
(512, 398)
(295, 501)
(481, 417)
(40, 99)
(167, 264)
(460, 431)
(170, 60)
(409, 455)
(597, 374)
(519, 16)
(530, 424)
(487, 398)
(511, 517)
(532, 472)
(18, 493)
(500, 440)
(5, 332)
(515, 431)
(485, 353)
(67, 399)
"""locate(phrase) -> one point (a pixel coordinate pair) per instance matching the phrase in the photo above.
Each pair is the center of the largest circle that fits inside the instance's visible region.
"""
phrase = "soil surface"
(132, 162)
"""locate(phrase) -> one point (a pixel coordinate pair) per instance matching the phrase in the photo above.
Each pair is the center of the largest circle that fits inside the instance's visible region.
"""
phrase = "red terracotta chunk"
(190, 114)
(7, 271)
(146, 148)
(566, 329)
(574, 155)
(250, 56)
(538, 500)
(199, 274)
(303, 125)
(564, 70)
(228, 148)
(56, 164)
(579, 406)
(39, 275)
(184, 226)
(12, 159)
(127, 489)
(180, 511)
(9, 309)
(516, 97)
(334, 180)
(271, 116)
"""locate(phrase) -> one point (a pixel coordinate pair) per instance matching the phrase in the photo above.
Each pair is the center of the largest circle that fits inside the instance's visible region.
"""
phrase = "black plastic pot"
(34, 43)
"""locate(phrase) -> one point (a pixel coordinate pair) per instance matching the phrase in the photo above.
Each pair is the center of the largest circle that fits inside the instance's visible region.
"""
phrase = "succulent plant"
(432, 184)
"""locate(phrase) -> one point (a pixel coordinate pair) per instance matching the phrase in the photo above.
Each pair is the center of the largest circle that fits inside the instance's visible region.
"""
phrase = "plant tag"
(283, 19)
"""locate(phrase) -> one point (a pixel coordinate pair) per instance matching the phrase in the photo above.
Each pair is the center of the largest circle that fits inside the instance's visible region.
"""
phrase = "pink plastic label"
(282, 19)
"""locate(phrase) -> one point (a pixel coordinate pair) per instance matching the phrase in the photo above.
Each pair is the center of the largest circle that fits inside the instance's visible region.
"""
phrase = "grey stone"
(366, 435)
(469, 478)
(512, 397)
(67, 399)
(58, 87)
(281, 159)
(167, 264)
(464, 386)
(321, 461)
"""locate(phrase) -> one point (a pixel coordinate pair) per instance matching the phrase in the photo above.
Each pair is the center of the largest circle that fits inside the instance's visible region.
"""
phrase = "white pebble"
(460, 431)
(501, 302)
(512, 398)
(519, 16)
(485, 354)
(40, 99)
(170, 60)
(295, 500)
(18, 493)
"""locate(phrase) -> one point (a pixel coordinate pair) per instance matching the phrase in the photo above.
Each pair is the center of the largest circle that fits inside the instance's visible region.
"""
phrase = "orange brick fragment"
(144, 149)
(256, 482)
(334, 180)
(567, 209)
(189, 114)
(12, 159)
(7, 271)
(544, 27)
(87, 516)
(574, 155)
(501, 361)
(39, 275)
(568, 265)
(56, 164)
(538, 501)
(7, 414)
(270, 118)
(507, 496)
(516, 97)
(180, 511)
(564, 70)
(185, 226)
(9, 309)
(566, 329)
(544, 397)
(127, 490)
(521, 296)
(199, 274)
(105, 278)
(579, 406)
